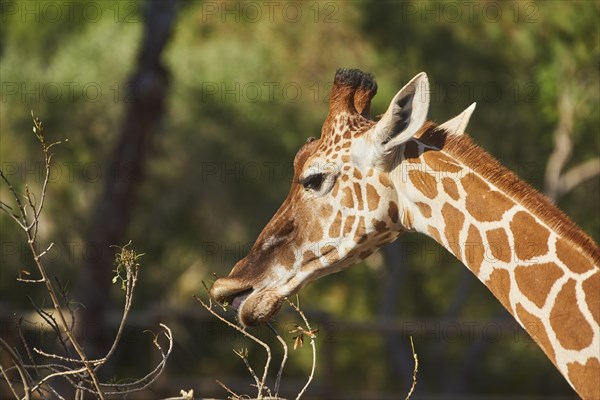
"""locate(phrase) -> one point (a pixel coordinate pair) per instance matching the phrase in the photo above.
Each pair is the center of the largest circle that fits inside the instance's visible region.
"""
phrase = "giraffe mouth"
(254, 307)
(238, 300)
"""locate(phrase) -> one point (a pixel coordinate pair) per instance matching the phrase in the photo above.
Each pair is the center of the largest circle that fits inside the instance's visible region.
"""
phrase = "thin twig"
(8, 381)
(126, 388)
(234, 394)
(51, 322)
(63, 291)
(18, 323)
(62, 373)
(243, 354)
(132, 276)
(19, 366)
(29, 280)
(312, 344)
(23, 220)
(6, 208)
(283, 360)
(415, 370)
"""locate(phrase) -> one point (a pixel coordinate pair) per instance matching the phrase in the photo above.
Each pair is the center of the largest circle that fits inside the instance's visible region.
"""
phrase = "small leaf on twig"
(242, 353)
(299, 339)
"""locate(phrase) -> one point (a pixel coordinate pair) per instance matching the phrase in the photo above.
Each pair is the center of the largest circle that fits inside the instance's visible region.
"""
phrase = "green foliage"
(125, 259)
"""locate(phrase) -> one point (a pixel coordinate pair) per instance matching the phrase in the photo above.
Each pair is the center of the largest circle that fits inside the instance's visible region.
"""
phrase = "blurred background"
(182, 120)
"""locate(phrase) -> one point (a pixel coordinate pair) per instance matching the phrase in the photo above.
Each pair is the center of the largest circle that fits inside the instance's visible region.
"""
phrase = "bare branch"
(19, 366)
(557, 183)
(82, 377)
(8, 381)
(56, 374)
(578, 174)
(23, 219)
(6, 208)
(563, 145)
(51, 322)
(18, 322)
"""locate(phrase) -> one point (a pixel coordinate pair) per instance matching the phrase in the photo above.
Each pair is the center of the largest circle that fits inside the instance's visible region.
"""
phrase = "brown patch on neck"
(571, 257)
(498, 243)
(450, 188)
(536, 280)
(591, 288)
(424, 183)
(535, 327)
(499, 284)
(586, 378)
(434, 233)
(530, 238)
(474, 250)
(565, 315)
(482, 203)
(453, 220)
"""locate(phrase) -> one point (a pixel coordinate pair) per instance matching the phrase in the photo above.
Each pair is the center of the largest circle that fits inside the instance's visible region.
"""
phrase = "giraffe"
(363, 182)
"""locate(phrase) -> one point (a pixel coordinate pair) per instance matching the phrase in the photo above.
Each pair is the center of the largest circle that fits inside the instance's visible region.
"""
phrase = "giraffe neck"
(541, 266)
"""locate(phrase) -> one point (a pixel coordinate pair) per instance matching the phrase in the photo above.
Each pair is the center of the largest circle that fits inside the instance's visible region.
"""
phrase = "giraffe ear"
(458, 124)
(405, 115)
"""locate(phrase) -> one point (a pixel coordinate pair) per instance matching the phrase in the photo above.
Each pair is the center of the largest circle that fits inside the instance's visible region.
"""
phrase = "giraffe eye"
(313, 182)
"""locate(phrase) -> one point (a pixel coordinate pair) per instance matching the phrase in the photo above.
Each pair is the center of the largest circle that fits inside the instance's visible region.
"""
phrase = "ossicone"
(352, 92)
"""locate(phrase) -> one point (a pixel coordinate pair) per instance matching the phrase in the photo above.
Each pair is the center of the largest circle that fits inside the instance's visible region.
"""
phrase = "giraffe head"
(342, 204)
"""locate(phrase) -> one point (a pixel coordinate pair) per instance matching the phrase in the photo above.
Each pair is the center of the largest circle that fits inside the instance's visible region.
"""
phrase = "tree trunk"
(147, 92)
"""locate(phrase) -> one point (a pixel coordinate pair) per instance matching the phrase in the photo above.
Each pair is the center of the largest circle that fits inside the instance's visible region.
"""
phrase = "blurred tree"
(147, 91)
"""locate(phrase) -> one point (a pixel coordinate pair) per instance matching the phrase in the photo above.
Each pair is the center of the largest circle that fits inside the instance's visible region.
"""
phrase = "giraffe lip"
(260, 307)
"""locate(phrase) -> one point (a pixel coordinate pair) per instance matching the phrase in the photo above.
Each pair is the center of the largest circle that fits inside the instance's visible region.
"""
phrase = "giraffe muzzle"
(254, 307)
